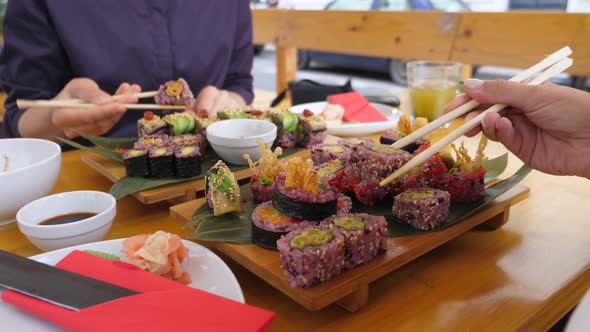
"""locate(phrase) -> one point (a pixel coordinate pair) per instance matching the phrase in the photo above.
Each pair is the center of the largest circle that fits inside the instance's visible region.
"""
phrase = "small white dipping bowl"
(32, 169)
(52, 237)
(231, 139)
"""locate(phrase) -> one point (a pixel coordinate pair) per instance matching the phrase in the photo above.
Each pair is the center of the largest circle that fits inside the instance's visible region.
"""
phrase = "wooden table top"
(524, 276)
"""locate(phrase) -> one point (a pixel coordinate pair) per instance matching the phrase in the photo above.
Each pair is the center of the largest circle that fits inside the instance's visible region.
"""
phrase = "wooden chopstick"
(520, 77)
(24, 104)
(552, 71)
(140, 95)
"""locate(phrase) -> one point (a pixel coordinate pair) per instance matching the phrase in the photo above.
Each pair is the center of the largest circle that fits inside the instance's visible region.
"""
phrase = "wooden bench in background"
(514, 39)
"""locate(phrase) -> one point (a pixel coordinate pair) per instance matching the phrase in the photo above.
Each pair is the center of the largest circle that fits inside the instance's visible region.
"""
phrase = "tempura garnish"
(301, 175)
(6, 163)
(267, 167)
(464, 162)
(406, 127)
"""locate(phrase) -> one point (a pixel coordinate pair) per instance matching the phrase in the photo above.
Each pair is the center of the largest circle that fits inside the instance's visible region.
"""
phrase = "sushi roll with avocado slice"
(422, 208)
(161, 162)
(151, 124)
(222, 190)
(323, 153)
(228, 114)
(180, 123)
(268, 225)
(365, 236)
(312, 129)
(258, 114)
(300, 194)
(188, 161)
(286, 123)
(136, 163)
(332, 175)
(312, 255)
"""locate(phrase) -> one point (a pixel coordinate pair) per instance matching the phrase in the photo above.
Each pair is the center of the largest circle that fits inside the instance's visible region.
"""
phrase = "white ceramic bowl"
(52, 237)
(231, 139)
(32, 170)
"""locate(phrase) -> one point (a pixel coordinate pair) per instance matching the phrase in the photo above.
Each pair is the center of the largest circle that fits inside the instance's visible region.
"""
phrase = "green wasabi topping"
(422, 194)
(333, 149)
(350, 223)
(289, 120)
(265, 181)
(104, 255)
(311, 237)
(386, 149)
(332, 167)
(136, 153)
(187, 150)
(160, 151)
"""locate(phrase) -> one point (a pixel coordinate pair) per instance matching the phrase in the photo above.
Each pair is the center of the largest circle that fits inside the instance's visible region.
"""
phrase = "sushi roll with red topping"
(422, 208)
(151, 124)
(312, 129)
(312, 255)
(365, 236)
(268, 225)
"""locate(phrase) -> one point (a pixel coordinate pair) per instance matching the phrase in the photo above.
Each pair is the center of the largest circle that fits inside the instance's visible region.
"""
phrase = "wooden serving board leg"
(355, 300)
(497, 221)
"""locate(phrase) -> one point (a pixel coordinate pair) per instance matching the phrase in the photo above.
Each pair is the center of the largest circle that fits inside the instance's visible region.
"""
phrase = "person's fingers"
(458, 101)
(87, 90)
(222, 100)
(488, 125)
(206, 100)
(123, 88)
(506, 92)
(76, 117)
(475, 130)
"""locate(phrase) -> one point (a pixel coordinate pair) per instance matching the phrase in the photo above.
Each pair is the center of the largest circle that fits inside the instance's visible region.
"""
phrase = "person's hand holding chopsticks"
(547, 126)
(48, 122)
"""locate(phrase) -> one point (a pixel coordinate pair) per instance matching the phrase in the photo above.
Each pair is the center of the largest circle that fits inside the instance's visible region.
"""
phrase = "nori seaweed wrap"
(188, 161)
(268, 225)
(161, 162)
(136, 163)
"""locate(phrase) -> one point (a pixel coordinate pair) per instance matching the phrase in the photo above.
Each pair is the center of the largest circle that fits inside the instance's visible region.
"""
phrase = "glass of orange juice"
(432, 85)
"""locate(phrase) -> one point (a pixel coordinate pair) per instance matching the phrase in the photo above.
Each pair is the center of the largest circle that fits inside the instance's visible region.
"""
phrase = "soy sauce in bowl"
(67, 218)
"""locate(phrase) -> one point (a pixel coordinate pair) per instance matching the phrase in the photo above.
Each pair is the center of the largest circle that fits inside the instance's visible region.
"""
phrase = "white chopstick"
(24, 104)
(140, 95)
(423, 156)
(520, 77)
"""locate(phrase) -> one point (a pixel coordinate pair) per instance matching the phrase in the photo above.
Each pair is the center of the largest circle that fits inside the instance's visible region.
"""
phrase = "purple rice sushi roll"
(365, 236)
(323, 153)
(312, 129)
(161, 162)
(287, 124)
(151, 141)
(261, 191)
(175, 93)
(151, 124)
(390, 137)
(355, 141)
(312, 255)
(188, 161)
(422, 208)
(136, 163)
(268, 225)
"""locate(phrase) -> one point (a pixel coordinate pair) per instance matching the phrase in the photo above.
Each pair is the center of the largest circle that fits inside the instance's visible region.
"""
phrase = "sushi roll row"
(172, 124)
(163, 162)
(316, 254)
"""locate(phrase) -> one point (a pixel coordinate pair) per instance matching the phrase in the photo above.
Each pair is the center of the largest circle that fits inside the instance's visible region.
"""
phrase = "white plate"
(355, 129)
(208, 272)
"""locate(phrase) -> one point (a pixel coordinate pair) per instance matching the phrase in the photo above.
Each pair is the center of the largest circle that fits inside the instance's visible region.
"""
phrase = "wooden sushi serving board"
(350, 290)
(177, 193)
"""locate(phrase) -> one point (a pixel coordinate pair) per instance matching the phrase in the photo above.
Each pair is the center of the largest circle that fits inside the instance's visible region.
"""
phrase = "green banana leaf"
(236, 228)
(103, 152)
(109, 142)
(495, 167)
(129, 185)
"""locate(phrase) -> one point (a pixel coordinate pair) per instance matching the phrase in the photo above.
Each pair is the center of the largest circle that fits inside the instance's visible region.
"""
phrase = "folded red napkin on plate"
(356, 108)
(163, 305)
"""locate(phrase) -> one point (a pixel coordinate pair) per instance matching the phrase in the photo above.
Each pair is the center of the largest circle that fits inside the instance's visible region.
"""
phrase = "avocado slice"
(289, 121)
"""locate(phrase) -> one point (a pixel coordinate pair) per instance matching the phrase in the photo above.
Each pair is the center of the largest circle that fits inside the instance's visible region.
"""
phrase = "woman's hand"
(51, 122)
(213, 100)
(547, 126)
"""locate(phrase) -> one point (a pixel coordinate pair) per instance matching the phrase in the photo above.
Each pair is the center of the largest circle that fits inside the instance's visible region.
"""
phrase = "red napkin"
(163, 305)
(356, 108)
